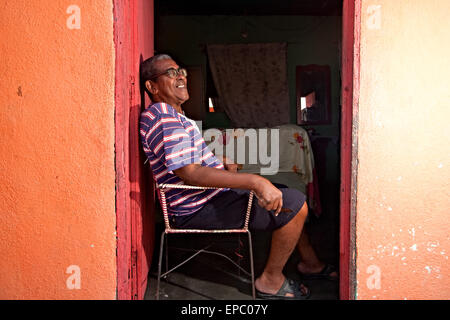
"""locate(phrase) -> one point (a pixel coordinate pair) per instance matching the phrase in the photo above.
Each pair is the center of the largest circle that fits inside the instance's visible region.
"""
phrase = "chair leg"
(167, 255)
(252, 269)
(161, 249)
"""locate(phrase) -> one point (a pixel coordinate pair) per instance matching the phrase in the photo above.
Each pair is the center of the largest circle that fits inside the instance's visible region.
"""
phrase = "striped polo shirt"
(171, 141)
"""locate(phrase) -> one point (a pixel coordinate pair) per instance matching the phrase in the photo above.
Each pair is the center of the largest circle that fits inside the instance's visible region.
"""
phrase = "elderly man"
(178, 154)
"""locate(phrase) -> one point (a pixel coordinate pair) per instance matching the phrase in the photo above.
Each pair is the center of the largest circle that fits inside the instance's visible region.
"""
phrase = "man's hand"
(269, 197)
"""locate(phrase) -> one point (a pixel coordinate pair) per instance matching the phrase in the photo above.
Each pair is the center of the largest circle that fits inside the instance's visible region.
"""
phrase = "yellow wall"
(57, 150)
(403, 199)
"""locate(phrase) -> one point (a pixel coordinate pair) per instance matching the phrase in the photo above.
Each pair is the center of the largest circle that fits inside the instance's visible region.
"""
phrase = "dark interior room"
(309, 35)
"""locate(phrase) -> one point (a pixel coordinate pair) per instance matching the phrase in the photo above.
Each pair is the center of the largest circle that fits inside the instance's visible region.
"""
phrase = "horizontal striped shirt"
(171, 141)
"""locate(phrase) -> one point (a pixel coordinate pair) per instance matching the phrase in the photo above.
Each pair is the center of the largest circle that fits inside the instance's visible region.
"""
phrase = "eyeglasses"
(171, 73)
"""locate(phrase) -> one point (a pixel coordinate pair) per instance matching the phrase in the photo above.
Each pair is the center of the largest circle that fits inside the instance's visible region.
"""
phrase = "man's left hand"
(233, 167)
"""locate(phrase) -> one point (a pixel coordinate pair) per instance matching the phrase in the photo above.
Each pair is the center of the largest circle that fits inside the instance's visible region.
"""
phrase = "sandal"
(289, 286)
(325, 273)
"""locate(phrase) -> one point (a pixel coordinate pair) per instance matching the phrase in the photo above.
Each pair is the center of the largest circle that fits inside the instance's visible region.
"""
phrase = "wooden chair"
(170, 230)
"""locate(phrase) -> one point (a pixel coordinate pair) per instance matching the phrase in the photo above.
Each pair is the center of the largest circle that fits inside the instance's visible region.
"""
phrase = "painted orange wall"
(403, 197)
(57, 199)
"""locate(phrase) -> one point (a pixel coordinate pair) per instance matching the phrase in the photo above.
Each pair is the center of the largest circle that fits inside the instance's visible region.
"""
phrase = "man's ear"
(151, 87)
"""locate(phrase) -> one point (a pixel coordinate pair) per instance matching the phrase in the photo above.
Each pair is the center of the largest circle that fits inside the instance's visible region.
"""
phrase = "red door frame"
(133, 37)
(351, 26)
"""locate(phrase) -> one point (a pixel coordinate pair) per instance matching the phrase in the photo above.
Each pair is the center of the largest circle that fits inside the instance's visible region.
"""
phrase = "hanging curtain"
(251, 81)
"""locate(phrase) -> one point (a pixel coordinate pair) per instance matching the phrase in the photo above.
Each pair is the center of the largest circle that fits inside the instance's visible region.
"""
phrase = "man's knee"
(301, 215)
(303, 211)
(297, 195)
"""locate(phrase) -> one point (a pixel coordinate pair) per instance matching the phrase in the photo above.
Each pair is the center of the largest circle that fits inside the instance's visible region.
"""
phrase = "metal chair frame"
(168, 230)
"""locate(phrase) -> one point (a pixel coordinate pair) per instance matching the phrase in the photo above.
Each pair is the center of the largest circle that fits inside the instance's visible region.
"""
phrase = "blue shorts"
(227, 211)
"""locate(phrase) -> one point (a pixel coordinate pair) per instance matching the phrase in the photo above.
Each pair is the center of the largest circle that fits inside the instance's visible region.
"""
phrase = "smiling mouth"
(180, 84)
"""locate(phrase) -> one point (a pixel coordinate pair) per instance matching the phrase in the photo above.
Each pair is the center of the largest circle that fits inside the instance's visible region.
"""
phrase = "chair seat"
(206, 231)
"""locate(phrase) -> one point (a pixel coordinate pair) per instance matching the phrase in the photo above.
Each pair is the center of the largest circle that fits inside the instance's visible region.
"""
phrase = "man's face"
(172, 91)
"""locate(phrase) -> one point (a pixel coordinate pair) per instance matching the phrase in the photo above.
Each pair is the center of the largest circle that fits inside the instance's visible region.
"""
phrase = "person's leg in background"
(310, 265)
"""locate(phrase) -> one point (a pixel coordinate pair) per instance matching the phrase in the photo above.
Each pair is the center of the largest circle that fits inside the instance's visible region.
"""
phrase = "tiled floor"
(211, 277)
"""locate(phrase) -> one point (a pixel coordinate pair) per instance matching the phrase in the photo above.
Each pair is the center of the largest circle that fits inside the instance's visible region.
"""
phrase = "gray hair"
(148, 67)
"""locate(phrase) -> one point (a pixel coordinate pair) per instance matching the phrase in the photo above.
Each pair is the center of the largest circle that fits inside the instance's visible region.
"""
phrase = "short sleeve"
(170, 142)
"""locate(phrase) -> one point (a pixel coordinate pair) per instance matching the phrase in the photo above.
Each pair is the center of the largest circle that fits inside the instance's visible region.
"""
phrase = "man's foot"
(323, 271)
(289, 289)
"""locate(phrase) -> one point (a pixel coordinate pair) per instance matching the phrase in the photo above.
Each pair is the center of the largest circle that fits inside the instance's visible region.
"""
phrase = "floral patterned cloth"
(251, 80)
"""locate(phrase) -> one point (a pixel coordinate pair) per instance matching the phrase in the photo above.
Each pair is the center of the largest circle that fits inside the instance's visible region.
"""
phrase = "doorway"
(268, 21)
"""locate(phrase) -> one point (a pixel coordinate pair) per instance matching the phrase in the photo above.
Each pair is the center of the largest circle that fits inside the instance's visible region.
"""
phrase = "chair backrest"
(158, 192)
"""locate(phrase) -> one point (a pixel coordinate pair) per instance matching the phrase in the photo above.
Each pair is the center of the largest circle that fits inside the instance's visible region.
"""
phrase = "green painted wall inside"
(311, 40)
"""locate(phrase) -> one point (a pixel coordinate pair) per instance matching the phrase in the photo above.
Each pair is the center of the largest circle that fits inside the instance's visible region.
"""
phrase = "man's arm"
(269, 197)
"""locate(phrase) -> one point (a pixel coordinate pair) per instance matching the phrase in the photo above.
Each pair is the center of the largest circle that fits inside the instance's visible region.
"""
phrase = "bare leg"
(284, 241)
(309, 263)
